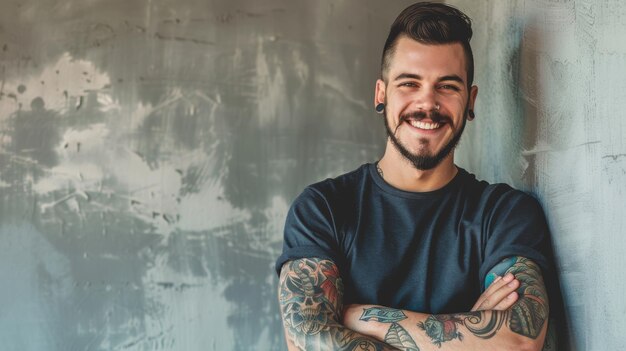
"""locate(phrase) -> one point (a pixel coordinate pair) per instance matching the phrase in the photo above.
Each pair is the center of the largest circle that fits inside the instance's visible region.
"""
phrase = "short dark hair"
(431, 23)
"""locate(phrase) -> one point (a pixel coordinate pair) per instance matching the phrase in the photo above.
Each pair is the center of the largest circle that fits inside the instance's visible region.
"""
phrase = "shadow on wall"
(533, 112)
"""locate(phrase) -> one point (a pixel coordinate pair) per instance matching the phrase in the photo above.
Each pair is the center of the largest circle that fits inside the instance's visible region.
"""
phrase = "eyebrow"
(408, 76)
(452, 77)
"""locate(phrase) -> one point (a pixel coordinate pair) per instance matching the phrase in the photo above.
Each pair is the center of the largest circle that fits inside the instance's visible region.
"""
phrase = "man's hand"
(500, 295)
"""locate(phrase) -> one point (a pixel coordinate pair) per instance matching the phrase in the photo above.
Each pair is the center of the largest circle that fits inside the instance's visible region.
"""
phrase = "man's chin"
(422, 161)
(425, 163)
(423, 153)
(423, 158)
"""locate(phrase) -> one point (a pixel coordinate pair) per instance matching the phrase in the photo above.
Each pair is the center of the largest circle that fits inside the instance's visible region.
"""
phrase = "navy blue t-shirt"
(427, 252)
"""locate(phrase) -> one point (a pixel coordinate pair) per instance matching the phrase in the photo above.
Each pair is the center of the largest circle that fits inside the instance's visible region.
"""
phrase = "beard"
(425, 160)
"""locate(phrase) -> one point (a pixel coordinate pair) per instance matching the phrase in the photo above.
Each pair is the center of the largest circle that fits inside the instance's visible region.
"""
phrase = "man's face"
(427, 100)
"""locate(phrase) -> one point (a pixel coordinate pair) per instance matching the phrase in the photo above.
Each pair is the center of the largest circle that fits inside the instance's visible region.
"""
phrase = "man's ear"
(472, 101)
(379, 94)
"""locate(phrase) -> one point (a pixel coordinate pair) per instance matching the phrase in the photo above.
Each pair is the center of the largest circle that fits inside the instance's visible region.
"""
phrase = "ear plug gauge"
(380, 108)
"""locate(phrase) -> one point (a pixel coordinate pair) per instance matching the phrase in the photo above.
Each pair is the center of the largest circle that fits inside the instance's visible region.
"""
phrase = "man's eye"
(408, 84)
(450, 87)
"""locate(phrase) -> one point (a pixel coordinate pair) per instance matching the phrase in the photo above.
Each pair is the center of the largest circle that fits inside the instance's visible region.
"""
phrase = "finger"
(497, 284)
(494, 285)
(497, 296)
(507, 302)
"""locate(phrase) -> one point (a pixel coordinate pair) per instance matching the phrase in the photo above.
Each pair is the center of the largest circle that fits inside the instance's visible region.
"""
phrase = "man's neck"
(401, 174)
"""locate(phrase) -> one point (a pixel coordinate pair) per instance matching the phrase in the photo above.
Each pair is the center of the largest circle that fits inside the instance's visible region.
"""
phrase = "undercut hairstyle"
(431, 23)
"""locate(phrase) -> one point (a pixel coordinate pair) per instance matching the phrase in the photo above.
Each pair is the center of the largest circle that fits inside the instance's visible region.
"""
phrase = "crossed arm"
(310, 295)
(314, 317)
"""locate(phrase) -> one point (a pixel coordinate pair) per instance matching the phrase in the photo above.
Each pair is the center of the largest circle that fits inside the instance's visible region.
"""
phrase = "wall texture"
(149, 151)
(551, 121)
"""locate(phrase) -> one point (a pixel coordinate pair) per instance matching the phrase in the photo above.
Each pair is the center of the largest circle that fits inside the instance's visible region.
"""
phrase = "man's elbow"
(524, 343)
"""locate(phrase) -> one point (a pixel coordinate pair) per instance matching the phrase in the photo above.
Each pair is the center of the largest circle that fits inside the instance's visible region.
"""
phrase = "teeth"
(424, 125)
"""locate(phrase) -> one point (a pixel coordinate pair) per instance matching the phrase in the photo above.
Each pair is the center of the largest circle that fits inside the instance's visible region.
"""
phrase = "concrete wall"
(551, 120)
(150, 149)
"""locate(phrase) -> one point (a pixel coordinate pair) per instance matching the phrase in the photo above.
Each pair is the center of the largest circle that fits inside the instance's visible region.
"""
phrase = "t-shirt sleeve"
(517, 227)
(309, 230)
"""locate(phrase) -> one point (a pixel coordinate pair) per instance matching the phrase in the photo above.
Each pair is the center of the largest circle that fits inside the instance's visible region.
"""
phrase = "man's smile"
(424, 125)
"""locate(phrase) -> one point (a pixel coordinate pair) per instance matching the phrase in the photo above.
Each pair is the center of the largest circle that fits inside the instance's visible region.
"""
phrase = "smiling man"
(412, 252)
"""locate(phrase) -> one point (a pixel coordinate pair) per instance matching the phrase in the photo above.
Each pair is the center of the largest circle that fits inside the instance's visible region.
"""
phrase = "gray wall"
(551, 120)
(150, 149)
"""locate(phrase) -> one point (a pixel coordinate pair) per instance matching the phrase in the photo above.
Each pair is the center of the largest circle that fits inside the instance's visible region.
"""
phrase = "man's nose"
(426, 100)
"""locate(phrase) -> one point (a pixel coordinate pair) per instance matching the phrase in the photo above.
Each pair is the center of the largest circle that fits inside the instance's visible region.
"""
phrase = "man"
(413, 252)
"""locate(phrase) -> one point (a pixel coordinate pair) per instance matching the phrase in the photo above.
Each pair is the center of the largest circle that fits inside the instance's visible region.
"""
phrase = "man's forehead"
(427, 60)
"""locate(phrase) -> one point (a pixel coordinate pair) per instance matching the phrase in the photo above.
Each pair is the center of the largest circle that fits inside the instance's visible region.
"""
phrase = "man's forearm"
(310, 296)
(406, 330)
(522, 326)
(334, 336)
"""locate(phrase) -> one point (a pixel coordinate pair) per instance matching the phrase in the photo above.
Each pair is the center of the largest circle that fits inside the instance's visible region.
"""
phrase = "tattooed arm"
(520, 327)
(310, 296)
(491, 281)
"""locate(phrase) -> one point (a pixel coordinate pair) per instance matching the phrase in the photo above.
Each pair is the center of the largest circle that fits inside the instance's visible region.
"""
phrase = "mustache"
(435, 116)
